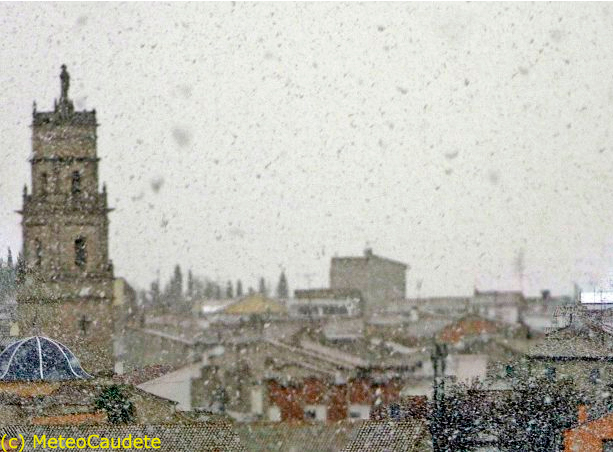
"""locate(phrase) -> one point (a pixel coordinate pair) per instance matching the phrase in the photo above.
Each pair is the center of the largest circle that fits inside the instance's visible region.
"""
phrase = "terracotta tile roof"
(70, 419)
(27, 389)
(467, 327)
(345, 436)
(303, 437)
(573, 343)
(69, 393)
(389, 436)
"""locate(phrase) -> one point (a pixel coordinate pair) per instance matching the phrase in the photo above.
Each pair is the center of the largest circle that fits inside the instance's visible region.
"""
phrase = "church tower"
(66, 290)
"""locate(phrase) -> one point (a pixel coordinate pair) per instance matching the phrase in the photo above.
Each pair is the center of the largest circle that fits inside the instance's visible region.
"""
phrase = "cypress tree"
(282, 289)
(190, 285)
(176, 286)
(239, 288)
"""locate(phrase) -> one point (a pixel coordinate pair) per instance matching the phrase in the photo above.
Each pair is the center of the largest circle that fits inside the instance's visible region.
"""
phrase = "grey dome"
(39, 359)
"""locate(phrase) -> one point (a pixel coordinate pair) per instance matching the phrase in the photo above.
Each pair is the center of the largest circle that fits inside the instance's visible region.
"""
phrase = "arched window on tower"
(84, 324)
(80, 252)
(76, 182)
(38, 253)
(43, 183)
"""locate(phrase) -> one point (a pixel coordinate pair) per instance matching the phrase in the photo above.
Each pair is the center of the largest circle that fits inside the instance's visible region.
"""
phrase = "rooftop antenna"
(520, 268)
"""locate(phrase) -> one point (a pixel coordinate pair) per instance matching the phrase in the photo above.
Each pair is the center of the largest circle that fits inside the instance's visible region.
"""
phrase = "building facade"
(314, 399)
(380, 280)
(322, 303)
(66, 286)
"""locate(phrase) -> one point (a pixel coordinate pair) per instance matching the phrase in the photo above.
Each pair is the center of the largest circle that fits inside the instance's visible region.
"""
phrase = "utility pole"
(439, 356)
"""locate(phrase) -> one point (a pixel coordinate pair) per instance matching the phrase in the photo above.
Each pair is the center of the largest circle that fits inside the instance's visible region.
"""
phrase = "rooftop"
(368, 254)
(574, 342)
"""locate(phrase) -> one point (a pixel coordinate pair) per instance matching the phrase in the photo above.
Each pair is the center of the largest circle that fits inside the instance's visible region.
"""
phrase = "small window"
(38, 253)
(84, 325)
(43, 183)
(274, 414)
(315, 413)
(359, 411)
(595, 376)
(76, 182)
(80, 252)
(550, 373)
(509, 371)
(355, 415)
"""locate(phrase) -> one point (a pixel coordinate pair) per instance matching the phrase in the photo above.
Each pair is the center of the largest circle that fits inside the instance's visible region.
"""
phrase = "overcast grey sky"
(241, 139)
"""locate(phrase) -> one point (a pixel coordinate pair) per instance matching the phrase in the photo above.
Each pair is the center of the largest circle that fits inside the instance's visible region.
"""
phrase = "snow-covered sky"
(471, 141)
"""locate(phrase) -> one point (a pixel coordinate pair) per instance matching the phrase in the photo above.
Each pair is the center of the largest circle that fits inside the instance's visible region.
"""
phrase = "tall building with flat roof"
(379, 280)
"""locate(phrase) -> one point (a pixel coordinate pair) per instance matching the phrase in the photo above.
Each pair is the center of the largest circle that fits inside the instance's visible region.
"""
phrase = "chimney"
(368, 252)
(582, 414)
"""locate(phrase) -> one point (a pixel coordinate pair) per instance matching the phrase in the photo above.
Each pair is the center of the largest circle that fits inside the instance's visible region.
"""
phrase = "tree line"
(179, 293)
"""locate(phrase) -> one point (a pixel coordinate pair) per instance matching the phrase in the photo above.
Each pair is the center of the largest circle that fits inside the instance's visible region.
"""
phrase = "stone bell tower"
(66, 289)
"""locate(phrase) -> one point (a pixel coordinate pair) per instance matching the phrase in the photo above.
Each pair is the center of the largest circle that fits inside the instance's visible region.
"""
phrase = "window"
(595, 376)
(76, 182)
(84, 324)
(80, 251)
(315, 413)
(38, 253)
(310, 414)
(328, 310)
(359, 411)
(274, 414)
(509, 371)
(43, 183)
(308, 310)
(550, 373)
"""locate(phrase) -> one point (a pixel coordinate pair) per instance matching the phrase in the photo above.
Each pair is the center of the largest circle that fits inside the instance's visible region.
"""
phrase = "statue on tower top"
(65, 79)
(65, 104)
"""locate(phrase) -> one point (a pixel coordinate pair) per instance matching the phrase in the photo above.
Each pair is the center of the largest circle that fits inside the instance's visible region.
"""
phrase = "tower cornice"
(69, 159)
